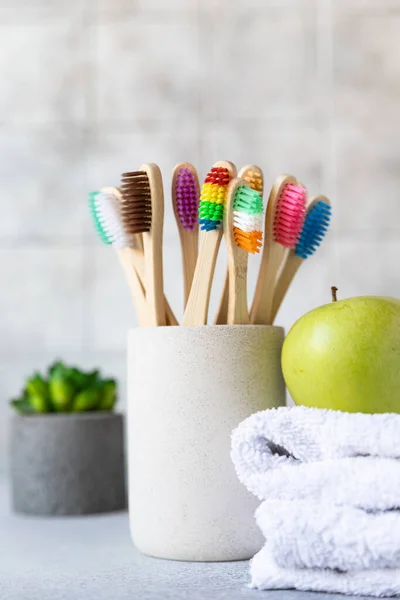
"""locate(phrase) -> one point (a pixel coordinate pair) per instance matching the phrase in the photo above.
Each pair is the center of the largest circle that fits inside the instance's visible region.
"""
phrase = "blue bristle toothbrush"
(315, 226)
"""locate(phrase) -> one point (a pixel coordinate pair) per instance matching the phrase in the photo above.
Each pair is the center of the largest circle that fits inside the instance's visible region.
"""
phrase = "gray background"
(91, 88)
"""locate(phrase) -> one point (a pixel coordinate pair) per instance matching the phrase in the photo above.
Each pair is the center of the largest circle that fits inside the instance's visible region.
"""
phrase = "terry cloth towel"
(328, 478)
(266, 574)
(312, 454)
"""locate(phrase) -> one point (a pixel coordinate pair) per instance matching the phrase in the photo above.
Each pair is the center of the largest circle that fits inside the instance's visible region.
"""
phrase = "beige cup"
(188, 388)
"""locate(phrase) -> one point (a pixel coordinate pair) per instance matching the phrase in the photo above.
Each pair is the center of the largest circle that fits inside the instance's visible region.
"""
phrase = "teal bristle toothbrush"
(283, 223)
(185, 202)
(243, 222)
(254, 177)
(315, 226)
(104, 207)
(211, 214)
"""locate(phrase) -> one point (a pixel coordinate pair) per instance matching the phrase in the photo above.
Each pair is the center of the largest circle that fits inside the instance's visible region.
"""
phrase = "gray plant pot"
(67, 464)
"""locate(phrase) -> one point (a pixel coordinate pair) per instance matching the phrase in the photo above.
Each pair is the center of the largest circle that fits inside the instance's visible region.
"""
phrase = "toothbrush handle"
(196, 311)
(261, 310)
(126, 260)
(238, 312)
(189, 246)
(221, 317)
(285, 278)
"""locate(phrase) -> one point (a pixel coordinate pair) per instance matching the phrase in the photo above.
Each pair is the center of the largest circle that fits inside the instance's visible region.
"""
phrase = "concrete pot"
(67, 464)
(188, 388)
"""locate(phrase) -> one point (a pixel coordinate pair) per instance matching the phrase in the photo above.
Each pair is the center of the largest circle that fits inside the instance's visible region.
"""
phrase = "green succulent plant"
(66, 389)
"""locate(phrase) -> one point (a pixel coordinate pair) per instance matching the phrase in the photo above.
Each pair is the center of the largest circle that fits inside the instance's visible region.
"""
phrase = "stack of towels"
(330, 485)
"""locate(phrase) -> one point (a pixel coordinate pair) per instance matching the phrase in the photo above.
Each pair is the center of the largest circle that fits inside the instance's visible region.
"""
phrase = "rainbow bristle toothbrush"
(243, 235)
(185, 202)
(143, 212)
(315, 226)
(104, 207)
(283, 223)
(254, 176)
(211, 213)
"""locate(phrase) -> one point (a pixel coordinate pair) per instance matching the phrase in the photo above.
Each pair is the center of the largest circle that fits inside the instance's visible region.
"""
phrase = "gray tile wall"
(91, 88)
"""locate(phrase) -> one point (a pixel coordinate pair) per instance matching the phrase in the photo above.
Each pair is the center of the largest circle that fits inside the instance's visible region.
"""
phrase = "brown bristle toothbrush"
(283, 223)
(142, 211)
(254, 177)
(211, 214)
(185, 202)
(242, 230)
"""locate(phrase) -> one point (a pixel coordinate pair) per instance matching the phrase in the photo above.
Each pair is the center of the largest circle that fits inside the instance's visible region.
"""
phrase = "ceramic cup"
(188, 388)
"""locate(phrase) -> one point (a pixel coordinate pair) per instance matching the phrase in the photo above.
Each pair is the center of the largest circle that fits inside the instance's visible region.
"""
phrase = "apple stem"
(334, 296)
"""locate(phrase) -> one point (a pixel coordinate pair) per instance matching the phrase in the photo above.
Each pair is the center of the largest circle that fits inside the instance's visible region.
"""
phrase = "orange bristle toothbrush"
(243, 235)
(211, 213)
(254, 176)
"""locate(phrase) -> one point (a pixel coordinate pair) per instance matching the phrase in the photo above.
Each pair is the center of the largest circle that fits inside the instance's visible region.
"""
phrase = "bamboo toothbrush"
(143, 212)
(104, 207)
(185, 202)
(254, 176)
(315, 226)
(108, 214)
(283, 223)
(211, 213)
(243, 235)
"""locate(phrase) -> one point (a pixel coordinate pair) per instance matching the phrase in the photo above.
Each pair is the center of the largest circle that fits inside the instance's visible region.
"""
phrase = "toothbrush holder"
(188, 388)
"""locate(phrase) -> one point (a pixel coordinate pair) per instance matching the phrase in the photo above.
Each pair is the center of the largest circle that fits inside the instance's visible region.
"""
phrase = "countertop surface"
(80, 558)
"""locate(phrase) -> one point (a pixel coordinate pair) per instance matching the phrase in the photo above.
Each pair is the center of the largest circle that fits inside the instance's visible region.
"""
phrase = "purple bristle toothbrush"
(185, 201)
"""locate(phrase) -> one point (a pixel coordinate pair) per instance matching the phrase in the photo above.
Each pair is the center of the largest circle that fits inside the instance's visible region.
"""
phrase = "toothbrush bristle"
(314, 229)
(247, 219)
(187, 195)
(104, 207)
(136, 207)
(212, 198)
(289, 215)
(254, 179)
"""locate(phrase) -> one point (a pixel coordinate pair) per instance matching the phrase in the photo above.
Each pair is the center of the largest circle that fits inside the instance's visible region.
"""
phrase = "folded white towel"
(303, 534)
(326, 477)
(266, 574)
(330, 456)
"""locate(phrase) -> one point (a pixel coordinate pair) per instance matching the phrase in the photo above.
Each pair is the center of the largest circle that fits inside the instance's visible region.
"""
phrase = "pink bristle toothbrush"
(254, 177)
(283, 224)
(185, 202)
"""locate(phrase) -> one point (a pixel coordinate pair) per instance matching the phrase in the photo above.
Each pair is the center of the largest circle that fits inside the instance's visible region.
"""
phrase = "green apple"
(346, 356)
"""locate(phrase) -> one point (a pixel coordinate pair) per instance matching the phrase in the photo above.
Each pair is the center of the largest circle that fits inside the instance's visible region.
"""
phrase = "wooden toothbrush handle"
(221, 318)
(285, 278)
(189, 245)
(261, 310)
(196, 311)
(238, 312)
(134, 283)
(137, 257)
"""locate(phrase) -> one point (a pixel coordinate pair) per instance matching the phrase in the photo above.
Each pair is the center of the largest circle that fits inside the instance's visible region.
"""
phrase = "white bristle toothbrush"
(211, 214)
(315, 226)
(185, 201)
(243, 221)
(142, 211)
(104, 207)
(254, 177)
(283, 223)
